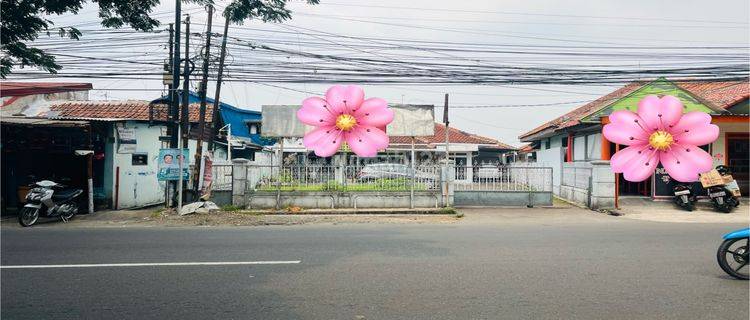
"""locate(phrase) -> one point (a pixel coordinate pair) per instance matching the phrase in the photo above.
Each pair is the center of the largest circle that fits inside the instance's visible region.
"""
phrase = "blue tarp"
(230, 114)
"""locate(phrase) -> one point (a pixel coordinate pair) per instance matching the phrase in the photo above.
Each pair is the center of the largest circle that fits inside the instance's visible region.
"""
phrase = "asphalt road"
(530, 265)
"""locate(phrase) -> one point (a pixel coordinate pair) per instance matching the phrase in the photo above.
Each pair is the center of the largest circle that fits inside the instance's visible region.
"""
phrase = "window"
(547, 143)
(139, 159)
(253, 127)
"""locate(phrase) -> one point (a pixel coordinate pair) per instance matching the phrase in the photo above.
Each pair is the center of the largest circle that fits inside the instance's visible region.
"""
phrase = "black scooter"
(684, 196)
(722, 196)
(49, 199)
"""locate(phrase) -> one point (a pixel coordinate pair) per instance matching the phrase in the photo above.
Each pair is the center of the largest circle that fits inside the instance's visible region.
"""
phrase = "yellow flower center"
(345, 122)
(661, 140)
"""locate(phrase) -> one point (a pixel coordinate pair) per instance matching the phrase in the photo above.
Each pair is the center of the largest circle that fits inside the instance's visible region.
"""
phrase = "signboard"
(664, 184)
(169, 165)
(408, 121)
(126, 142)
(411, 120)
(281, 121)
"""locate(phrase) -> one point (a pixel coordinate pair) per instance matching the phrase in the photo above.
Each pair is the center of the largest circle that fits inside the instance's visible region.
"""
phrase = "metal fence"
(374, 177)
(503, 178)
(222, 177)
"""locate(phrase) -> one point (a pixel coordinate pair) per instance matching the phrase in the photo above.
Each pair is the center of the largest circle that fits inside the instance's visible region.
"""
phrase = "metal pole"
(413, 175)
(217, 104)
(278, 179)
(202, 110)
(229, 142)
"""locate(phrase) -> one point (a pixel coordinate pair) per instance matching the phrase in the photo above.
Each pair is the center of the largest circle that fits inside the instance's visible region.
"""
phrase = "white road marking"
(156, 264)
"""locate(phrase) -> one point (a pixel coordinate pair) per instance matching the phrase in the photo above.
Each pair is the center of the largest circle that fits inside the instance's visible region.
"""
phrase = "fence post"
(447, 170)
(602, 185)
(239, 181)
(531, 203)
(413, 175)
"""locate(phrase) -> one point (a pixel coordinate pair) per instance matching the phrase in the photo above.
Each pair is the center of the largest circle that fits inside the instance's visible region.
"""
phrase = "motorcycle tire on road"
(73, 212)
(741, 258)
(28, 216)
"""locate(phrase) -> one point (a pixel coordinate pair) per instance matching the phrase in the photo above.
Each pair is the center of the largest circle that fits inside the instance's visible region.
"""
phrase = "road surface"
(512, 264)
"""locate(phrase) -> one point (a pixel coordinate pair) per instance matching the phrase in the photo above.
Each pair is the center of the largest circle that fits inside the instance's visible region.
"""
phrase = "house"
(575, 137)
(118, 138)
(466, 150)
(242, 125)
(527, 153)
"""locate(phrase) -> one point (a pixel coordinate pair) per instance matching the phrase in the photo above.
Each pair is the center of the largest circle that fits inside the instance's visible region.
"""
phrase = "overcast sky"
(634, 22)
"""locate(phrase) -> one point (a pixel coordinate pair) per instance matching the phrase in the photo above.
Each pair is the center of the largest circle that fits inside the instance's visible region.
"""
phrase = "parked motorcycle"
(733, 253)
(722, 196)
(49, 199)
(684, 196)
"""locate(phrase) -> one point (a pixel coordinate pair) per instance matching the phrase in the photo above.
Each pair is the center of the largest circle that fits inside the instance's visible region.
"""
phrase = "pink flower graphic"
(344, 115)
(659, 132)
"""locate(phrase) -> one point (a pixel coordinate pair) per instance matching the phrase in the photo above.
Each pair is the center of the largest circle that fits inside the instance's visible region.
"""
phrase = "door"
(737, 159)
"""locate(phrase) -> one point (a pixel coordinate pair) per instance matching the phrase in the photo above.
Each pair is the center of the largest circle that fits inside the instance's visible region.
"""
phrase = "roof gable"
(708, 96)
(660, 87)
(454, 136)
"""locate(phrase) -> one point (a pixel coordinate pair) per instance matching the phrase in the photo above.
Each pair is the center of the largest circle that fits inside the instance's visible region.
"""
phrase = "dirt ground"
(162, 217)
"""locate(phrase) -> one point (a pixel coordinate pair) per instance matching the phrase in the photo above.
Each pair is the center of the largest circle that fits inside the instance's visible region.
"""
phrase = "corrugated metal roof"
(42, 122)
(14, 89)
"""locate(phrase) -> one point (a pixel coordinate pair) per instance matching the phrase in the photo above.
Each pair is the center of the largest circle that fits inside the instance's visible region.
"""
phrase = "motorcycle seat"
(65, 194)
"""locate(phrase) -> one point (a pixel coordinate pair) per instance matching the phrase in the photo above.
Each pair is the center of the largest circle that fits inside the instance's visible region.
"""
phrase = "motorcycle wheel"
(724, 207)
(727, 257)
(690, 206)
(28, 216)
(73, 211)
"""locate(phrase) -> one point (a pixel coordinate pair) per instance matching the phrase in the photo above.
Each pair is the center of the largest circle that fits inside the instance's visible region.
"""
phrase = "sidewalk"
(667, 211)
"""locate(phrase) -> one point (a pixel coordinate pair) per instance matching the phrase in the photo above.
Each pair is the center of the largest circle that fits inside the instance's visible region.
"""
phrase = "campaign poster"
(169, 164)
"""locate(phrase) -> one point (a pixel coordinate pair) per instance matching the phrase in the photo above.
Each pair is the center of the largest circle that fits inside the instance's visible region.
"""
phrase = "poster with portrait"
(169, 164)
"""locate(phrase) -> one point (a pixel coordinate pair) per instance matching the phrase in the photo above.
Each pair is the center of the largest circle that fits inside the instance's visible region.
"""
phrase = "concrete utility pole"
(202, 111)
(185, 114)
(174, 105)
(217, 103)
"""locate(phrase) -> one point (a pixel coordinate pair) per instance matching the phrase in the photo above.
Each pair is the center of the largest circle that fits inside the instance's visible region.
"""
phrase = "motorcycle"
(722, 196)
(49, 199)
(684, 197)
(733, 253)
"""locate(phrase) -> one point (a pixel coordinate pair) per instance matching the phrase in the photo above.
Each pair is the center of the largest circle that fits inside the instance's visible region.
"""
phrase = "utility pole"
(202, 111)
(447, 152)
(185, 114)
(174, 103)
(217, 104)
(446, 122)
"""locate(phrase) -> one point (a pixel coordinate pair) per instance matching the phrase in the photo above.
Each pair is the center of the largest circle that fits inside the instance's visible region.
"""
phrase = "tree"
(23, 21)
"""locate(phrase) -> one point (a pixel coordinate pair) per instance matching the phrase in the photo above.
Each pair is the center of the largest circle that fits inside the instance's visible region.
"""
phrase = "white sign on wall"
(126, 141)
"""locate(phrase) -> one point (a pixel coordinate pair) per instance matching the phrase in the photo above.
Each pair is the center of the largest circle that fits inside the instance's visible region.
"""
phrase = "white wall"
(553, 158)
(138, 184)
(717, 148)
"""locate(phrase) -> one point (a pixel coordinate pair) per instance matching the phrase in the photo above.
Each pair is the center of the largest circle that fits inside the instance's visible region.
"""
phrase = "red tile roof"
(112, 110)
(14, 89)
(527, 148)
(454, 136)
(717, 95)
